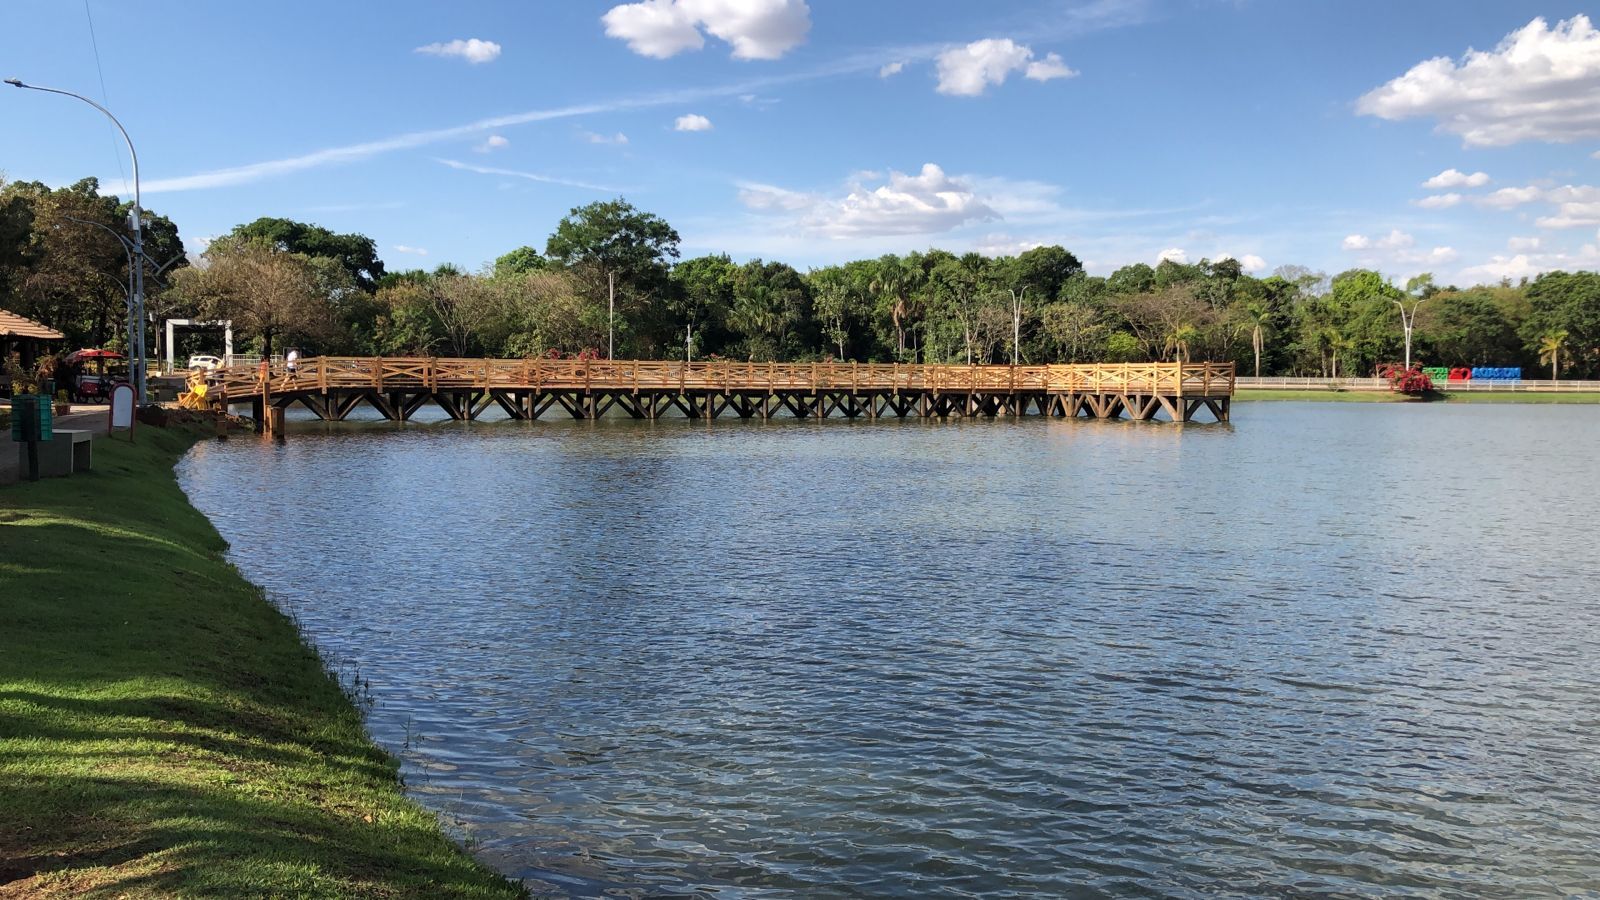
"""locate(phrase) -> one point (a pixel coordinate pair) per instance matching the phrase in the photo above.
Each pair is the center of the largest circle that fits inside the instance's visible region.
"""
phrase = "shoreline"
(165, 730)
(1324, 395)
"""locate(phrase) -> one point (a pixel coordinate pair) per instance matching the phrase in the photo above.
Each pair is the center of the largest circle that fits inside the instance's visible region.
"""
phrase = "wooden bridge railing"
(345, 373)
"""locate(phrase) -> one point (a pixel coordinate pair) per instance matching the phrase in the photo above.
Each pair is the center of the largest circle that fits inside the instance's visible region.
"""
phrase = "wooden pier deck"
(334, 386)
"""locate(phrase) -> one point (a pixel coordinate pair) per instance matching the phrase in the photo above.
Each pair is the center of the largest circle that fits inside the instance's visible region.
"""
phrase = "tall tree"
(355, 253)
(1137, 278)
(626, 250)
(842, 299)
(701, 300)
(770, 302)
(1569, 302)
(1258, 318)
(270, 294)
(1043, 270)
(897, 284)
(1551, 348)
(520, 261)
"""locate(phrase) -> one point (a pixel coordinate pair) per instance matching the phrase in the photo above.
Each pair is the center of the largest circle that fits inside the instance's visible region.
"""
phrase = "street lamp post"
(1016, 322)
(1407, 320)
(127, 248)
(135, 224)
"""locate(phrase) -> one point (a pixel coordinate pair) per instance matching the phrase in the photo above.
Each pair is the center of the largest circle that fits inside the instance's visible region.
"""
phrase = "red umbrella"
(77, 355)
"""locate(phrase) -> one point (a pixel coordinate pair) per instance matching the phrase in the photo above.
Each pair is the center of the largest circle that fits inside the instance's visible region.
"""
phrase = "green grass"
(164, 731)
(1327, 396)
(1246, 394)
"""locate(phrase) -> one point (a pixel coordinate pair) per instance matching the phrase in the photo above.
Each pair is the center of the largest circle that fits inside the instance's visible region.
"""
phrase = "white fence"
(238, 359)
(1285, 383)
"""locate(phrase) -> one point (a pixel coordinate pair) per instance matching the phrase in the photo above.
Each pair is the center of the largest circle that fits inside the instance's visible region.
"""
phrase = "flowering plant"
(1412, 381)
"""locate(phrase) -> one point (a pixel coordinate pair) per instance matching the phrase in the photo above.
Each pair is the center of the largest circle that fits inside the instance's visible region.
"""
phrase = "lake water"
(1331, 648)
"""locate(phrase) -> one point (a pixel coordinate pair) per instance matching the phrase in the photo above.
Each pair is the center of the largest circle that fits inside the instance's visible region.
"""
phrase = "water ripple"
(1329, 651)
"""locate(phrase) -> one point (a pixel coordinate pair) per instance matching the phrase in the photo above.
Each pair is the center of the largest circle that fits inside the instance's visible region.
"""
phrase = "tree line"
(609, 279)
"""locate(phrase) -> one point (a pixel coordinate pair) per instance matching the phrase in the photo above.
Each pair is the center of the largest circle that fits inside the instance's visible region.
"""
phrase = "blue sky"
(814, 131)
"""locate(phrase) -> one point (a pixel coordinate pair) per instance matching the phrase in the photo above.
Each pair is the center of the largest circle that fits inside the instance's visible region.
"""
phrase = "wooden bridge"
(334, 386)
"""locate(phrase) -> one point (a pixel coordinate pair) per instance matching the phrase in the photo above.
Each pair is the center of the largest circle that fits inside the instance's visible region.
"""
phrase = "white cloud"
(1539, 84)
(756, 29)
(1395, 248)
(413, 251)
(1049, 68)
(1249, 262)
(1395, 240)
(1173, 254)
(1506, 198)
(1439, 201)
(1576, 205)
(994, 245)
(771, 198)
(348, 153)
(1529, 257)
(658, 28)
(1455, 178)
(929, 202)
(969, 71)
(1500, 267)
(894, 68)
(529, 176)
(692, 122)
(493, 142)
(1093, 17)
(756, 101)
(472, 50)
(595, 138)
(925, 203)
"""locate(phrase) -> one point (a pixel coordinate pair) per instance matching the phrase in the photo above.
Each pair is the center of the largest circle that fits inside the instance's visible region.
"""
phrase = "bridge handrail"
(323, 373)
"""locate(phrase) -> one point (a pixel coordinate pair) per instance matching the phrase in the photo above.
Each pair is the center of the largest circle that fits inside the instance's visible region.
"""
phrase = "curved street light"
(128, 249)
(1407, 322)
(135, 224)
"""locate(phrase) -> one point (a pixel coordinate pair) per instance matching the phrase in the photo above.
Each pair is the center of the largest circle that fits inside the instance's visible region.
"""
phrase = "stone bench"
(70, 450)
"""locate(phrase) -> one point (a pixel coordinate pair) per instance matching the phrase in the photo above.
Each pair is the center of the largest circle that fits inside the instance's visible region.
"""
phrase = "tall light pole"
(127, 247)
(1407, 320)
(135, 224)
(1016, 322)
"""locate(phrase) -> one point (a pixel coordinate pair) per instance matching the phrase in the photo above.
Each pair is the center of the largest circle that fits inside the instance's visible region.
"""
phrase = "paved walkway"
(86, 417)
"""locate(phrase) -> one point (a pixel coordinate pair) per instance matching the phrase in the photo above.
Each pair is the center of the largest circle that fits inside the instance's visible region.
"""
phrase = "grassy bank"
(1246, 394)
(163, 729)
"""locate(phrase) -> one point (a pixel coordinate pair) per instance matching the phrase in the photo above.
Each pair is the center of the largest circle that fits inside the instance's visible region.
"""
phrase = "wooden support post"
(377, 401)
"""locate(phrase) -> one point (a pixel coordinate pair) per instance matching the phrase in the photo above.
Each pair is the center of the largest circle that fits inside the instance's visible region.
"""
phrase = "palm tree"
(1177, 342)
(1335, 340)
(891, 282)
(1257, 315)
(1551, 346)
